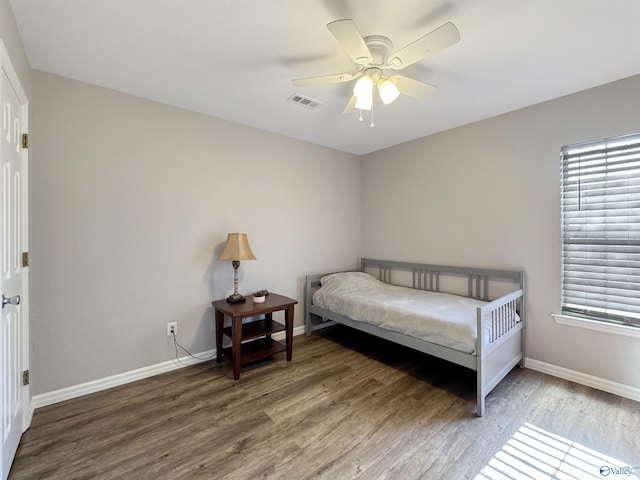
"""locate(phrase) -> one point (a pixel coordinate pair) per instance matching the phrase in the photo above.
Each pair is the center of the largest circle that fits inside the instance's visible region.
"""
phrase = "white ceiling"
(235, 59)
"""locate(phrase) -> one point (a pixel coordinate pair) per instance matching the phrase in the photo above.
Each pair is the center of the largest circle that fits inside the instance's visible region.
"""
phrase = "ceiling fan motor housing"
(380, 47)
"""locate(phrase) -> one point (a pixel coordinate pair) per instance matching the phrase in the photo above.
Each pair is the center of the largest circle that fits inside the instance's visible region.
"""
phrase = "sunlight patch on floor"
(535, 454)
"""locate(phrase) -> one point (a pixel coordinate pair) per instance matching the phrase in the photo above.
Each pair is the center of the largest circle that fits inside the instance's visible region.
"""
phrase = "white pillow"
(349, 281)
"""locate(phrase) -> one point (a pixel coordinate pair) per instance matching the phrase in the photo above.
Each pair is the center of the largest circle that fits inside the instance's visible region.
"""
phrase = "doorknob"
(15, 300)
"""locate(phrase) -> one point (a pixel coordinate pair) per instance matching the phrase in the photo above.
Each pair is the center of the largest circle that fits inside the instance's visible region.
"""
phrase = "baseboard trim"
(93, 386)
(605, 385)
(296, 331)
(28, 415)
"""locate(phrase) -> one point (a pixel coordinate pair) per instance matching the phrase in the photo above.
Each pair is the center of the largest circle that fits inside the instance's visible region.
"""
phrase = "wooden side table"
(259, 332)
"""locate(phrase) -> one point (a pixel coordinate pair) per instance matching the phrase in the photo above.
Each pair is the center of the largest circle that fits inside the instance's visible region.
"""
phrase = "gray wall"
(131, 202)
(488, 195)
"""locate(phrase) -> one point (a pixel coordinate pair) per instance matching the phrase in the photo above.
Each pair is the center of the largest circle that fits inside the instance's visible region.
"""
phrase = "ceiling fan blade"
(348, 36)
(439, 39)
(411, 87)
(351, 106)
(323, 80)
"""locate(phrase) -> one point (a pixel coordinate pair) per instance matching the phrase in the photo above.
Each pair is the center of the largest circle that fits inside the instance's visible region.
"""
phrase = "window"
(600, 200)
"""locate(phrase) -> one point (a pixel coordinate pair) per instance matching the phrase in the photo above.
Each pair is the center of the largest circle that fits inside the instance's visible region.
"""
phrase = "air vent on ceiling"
(304, 101)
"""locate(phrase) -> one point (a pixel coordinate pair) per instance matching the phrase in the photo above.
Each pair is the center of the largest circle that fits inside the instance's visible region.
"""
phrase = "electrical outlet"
(172, 329)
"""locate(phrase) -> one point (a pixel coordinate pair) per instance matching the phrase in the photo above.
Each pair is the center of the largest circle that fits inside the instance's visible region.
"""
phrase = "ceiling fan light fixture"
(388, 91)
(363, 87)
(364, 102)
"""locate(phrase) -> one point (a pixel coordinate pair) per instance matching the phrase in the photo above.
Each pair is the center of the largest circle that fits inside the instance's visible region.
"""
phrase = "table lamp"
(237, 248)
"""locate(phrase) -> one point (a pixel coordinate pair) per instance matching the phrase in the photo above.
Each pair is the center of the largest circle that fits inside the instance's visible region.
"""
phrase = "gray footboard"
(499, 343)
(500, 339)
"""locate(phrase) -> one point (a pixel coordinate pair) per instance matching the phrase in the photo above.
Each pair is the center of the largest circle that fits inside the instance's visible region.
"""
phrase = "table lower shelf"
(257, 349)
(256, 329)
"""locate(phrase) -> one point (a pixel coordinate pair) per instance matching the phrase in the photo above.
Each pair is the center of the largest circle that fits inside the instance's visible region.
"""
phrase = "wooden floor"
(347, 406)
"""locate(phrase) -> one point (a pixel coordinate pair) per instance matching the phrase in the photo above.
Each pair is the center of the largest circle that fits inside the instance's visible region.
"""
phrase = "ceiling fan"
(373, 58)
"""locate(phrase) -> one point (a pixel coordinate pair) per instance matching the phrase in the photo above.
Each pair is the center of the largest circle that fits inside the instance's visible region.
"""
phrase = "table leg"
(236, 354)
(288, 323)
(219, 325)
(268, 317)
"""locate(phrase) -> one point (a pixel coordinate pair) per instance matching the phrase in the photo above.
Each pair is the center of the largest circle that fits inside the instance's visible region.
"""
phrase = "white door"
(13, 328)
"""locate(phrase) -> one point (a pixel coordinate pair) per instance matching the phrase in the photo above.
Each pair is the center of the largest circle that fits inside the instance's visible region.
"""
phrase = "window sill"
(623, 330)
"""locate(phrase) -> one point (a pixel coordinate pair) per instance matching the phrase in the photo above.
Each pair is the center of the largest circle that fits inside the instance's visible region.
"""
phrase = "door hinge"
(25, 377)
(25, 140)
(25, 259)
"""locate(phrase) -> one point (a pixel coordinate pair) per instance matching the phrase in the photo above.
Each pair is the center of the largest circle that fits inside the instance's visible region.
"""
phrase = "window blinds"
(600, 195)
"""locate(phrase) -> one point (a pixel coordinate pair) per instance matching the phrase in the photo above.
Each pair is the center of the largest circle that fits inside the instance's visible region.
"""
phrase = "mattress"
(441, 318)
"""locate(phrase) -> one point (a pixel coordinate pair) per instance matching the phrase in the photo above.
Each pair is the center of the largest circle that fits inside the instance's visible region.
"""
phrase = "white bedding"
(440, 318)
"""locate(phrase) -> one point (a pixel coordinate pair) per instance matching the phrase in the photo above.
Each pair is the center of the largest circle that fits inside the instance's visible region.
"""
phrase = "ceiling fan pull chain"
(371, 125)
(361, 119)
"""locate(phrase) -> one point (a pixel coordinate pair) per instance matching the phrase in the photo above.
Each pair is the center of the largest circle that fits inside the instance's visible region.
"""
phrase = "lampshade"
(388, 91)
(237, 248)
(363, 87)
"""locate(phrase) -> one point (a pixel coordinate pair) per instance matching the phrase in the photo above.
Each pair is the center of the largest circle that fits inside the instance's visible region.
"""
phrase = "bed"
(469, 316)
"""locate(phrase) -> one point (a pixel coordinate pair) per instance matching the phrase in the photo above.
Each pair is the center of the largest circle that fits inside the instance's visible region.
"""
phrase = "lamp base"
(236, 298)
